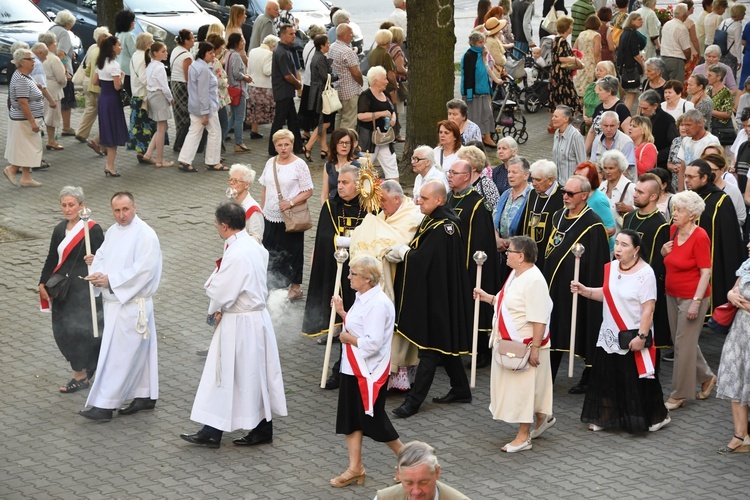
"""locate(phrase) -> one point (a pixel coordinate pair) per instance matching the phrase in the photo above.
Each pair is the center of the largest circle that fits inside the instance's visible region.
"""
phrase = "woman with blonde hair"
(159, 99)
(54, 70)
(237, 17)
(645, 152)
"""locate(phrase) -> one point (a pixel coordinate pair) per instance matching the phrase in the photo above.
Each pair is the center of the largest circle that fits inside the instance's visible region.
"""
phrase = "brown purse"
(512, 355)
(297, 219)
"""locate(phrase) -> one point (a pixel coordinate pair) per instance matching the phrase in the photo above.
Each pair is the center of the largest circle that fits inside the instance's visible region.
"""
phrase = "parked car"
(307, 11)
(220, 10)
(162, 18)
(21, 20)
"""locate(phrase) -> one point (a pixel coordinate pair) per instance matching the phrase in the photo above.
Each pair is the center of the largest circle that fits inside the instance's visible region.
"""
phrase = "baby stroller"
(537, 92)
(509, 119)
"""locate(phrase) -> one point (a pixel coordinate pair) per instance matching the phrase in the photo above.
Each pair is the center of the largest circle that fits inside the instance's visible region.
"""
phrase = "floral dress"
(561, 88)
(734, 367)
(723, 101)
(587, 74)
(221, 76)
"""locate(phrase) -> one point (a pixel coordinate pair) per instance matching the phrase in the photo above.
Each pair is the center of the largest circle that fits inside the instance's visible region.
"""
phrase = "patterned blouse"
(221, 75)
(723, 101)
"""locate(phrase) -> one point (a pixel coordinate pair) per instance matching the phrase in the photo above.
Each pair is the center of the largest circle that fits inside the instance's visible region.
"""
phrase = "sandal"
(146, 159)
(306, 152)
(164, 164)
(187, 168)
(595, 428)
(323, 154)
(75, 386)
(742, 448)
(217, 168)
(349, 477)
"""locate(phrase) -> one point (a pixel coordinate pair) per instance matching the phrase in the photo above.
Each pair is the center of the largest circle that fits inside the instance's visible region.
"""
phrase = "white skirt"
(23, 147)
(516, 396)
(53, 116)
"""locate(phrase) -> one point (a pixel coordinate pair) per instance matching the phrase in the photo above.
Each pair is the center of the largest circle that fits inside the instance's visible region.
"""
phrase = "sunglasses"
(570, 193)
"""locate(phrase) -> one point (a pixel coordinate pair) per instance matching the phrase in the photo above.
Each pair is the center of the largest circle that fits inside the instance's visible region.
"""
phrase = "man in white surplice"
(126, 272)
(241, 385)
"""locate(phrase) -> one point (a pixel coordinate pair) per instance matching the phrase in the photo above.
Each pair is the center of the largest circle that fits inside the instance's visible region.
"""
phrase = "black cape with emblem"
(719, 220)
(540, 208)
(654, 232)
(478, 233)
(337, 218)
(433, 295)
(559, 264)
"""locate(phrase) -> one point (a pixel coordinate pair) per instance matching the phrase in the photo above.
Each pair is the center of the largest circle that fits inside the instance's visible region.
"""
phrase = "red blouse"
(684, 262)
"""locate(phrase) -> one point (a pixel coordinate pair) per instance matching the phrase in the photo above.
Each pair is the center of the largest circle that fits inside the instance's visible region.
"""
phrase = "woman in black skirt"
(365, 366)
(624, 391)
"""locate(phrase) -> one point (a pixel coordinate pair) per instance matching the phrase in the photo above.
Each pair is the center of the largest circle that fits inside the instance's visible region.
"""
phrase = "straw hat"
(493, 25)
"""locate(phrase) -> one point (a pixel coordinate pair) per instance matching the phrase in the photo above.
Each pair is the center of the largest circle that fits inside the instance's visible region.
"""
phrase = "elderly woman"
(71, 314)
(481, 183)
(449, 142)
(159, 99)
(624, 391)
(712, 54)
(141, 126)
(618, 188)
(673, 103)
(241, 177)
(180, 60)
(687, 260)
(510, 208)
(124, 26)
(735, 363)
(109, 76)
(457, 113)
(662, 125)
(629, 61)
(204, 112)
(322, 70)
(23, 148)
(424, 166)
(91, 92)
(507, 148)
(286, 182)
(375, 110)
(340, 153)
(401, 94)
(54, 70)
(606, 89)
(238, 79)
(590, 97)
(562, 91)
(655, 68)
(522, 311)
(261, 107)
(379, 56)
(643, 140)
(366, 340)
(589, 42)
(64, 21)
(721, 97)
(475, 87)
(696, 89)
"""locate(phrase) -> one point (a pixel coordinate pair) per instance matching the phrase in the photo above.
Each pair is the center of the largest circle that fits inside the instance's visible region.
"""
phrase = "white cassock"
(241, 382)
(127, 368)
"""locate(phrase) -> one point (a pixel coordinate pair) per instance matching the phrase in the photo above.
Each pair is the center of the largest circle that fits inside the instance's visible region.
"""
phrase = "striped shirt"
(580, 11)
(22, 86)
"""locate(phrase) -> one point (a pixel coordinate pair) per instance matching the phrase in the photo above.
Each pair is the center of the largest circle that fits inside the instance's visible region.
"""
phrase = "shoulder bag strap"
(625, 190)
(276, 180)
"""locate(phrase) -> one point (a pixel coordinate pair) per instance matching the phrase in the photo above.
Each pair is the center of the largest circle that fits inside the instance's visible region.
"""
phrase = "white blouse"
(294, 178)
(370, 319)
(110, 70)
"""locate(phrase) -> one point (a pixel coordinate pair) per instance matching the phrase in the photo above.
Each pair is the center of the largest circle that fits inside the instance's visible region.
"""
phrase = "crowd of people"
(617, 248)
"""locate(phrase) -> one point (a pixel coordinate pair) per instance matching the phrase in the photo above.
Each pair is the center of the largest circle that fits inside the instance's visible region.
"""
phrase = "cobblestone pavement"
(50, 452)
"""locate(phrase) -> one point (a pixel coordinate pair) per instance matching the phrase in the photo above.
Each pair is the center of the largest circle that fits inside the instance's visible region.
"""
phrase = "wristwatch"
(291, 203)
(642, 336)
(697, 299)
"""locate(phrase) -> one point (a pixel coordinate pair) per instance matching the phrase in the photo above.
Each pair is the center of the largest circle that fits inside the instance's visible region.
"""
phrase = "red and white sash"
(505, 327)
(250, 211)
(370, 383)
(645, 359)
(66, 246)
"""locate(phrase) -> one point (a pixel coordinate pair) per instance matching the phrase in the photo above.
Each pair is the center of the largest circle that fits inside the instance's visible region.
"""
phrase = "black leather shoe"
(253, 438)
(256, 135)
(137, 405)
(406, 410)
(332, 383)
(94, 413)
(452, 398)
(201, 440)
(578, 389)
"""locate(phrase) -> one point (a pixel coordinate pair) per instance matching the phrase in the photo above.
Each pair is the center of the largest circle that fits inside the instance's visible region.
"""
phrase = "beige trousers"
(348, 113)
(690, 367)
(90, 113)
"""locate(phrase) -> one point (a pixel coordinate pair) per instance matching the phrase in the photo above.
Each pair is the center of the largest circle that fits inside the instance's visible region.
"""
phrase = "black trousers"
(264, 428)
(428, 361)
(285, 114)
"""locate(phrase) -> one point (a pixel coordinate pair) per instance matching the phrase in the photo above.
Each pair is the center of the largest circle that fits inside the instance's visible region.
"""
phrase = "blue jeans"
(238, 118)
(224, 122)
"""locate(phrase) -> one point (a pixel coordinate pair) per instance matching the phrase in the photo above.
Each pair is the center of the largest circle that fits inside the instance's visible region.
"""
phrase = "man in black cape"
(338, 217)
(653, 229)
(576, 223)
(544, 200)
(719, 220)
(478, 233)
(433, 299)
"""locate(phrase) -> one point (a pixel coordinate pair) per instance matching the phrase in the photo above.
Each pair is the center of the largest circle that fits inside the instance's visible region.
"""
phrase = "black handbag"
(725, 132)
(630, 78)
(58, 285)
(625, 336)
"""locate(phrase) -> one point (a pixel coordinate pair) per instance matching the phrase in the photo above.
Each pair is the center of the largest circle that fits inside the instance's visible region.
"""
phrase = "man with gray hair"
(40, 52)
(264, 25)
(613, 139)
(697, 139)
(675, 44)
(419, 471)
(545, 199)
(346, 64)
(568, 149)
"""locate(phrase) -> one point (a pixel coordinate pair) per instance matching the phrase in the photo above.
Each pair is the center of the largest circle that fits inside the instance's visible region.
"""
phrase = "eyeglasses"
(28, 58)
(342, 143)
(415, 159)
(570, 193)
(513, 251)
(453, 173)
(236, 181)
